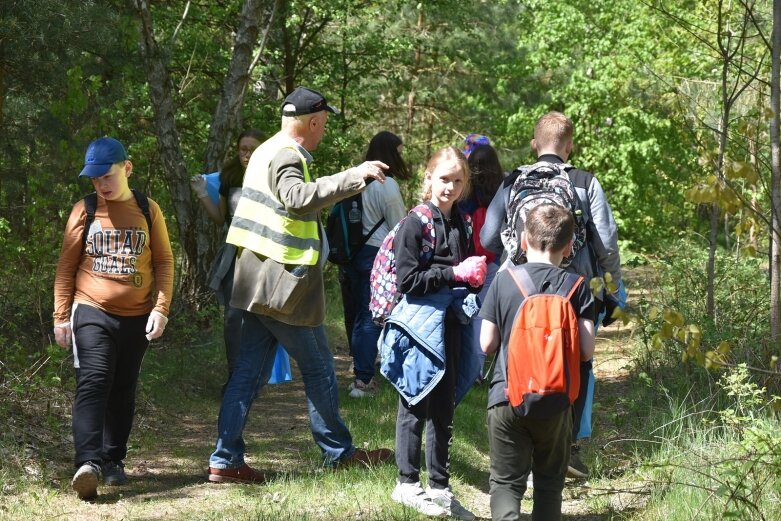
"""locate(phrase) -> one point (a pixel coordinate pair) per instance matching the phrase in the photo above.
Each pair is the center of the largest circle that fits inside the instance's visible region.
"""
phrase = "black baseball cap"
(306, 101)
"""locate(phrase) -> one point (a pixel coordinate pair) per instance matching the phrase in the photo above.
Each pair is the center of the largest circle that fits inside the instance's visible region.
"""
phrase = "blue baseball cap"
(101, 154)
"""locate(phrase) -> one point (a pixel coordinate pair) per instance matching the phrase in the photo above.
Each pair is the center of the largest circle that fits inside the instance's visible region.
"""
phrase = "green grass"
(654, 434)
(174, 433)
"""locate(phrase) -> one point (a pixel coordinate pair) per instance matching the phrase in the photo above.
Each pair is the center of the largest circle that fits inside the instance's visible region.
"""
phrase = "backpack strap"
(366, 237)
(143, 202)
(91, 205)
(429, 236)
(523, 281)
(571, 283)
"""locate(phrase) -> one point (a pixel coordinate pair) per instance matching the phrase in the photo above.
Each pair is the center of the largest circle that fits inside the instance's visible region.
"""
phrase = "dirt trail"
(169, 469)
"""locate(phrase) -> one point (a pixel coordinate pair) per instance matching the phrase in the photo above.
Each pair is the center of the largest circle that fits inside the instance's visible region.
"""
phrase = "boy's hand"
(198, 184)
(63, 335)
(155, 325)
(471, 270)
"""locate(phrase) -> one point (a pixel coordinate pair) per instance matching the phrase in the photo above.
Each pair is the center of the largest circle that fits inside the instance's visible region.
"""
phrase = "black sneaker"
(85, 481)
(114, 474)
(576, 468)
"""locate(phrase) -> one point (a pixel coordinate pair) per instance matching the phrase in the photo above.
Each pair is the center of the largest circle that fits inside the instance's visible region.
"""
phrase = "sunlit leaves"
(714, 190)
(742, 170)
(748, 251)
(653, 313)
(622, 315)
(673, 328)
(597, 285)
(672, 317)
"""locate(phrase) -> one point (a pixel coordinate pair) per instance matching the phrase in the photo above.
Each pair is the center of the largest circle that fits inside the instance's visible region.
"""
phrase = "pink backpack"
(382, 282)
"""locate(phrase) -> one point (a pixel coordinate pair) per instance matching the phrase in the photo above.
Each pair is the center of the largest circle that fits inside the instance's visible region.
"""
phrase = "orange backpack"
(543, 354)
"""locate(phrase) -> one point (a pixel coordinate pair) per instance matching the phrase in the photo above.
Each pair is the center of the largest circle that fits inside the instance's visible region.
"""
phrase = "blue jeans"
(231, 321)
(308, 347)
(365, 333)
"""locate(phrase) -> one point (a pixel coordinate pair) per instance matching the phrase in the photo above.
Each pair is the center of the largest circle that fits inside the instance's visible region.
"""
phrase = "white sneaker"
(358, 389)
(85, 481)
(444, 498)
(412, 495)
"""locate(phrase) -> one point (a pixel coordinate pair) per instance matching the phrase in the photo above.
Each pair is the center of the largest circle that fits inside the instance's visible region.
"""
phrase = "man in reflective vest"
(279, 283)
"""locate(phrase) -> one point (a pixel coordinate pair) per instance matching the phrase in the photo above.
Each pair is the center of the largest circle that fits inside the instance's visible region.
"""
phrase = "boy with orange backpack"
(541, 318)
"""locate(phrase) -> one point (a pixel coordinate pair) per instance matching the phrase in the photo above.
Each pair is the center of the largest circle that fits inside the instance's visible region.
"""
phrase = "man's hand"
(63, 335)
(372, 170)
(155, 325)
(198, 184)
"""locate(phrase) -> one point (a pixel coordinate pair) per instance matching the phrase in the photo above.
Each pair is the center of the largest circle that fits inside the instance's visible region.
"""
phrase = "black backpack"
(344, 230)
(91, 204)
(542, 183)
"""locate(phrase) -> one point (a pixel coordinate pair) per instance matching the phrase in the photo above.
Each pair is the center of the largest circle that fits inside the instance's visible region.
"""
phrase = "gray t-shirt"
(381, 200)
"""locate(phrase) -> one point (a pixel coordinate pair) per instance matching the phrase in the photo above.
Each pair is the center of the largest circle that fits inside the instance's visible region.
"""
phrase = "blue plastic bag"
(213, 186)
(281, 372)
(584, 429)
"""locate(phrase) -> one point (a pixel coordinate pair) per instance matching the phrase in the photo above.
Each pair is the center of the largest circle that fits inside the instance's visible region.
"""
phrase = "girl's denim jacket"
(412, 343)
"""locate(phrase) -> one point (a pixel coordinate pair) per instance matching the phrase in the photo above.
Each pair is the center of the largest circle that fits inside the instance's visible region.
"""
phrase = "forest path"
(174, 435)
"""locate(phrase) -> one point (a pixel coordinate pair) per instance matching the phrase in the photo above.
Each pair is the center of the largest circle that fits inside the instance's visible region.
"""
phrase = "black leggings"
(435, 412)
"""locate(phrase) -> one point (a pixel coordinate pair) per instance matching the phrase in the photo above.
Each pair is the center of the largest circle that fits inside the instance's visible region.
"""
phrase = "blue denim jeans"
(231, 319)
(308, 347)
(365, 333)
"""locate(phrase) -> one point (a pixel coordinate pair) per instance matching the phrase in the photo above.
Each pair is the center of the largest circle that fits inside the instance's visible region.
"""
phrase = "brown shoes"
(243, 474)
(366, 458)
(246, 474)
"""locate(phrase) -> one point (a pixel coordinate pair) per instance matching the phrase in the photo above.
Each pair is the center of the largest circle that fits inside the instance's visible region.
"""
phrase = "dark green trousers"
(521, 444)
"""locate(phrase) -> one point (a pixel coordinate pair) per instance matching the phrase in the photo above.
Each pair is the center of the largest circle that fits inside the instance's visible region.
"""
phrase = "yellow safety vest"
(261, 222)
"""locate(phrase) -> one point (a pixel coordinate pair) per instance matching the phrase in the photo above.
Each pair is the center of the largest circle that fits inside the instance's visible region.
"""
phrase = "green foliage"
(720, 462)
(585, 64)
(409, 67)
(675, 322)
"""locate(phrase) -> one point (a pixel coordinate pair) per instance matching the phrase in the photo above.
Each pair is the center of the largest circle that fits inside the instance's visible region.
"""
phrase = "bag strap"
(91, 206)
(428, 233)
(571, 283)
(143, 202)
(523, 281)
(366, 238)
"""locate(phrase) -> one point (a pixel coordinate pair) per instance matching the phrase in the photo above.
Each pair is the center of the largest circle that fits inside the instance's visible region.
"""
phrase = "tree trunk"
(726, 106)
(169, 148)
(3, 89)
(196, 233)
(227, 120)
(227, 115)
(290, 53)
(775, 166)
